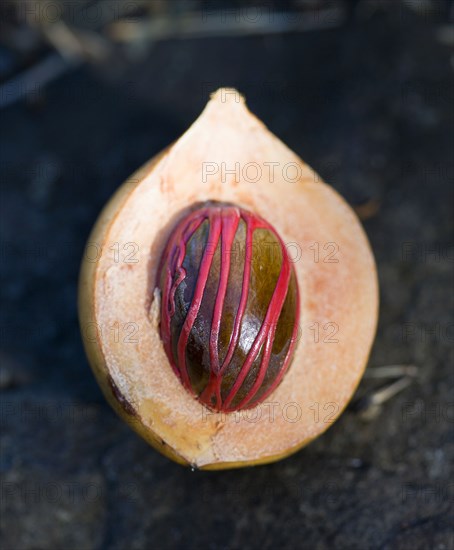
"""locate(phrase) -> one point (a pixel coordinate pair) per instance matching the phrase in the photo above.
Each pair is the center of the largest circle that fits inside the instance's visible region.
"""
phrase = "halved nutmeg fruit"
(228, 298)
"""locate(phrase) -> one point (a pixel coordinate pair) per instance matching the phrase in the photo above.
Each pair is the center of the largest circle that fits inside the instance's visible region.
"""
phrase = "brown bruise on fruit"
(120, 398)
(305, 211)
(223, 259)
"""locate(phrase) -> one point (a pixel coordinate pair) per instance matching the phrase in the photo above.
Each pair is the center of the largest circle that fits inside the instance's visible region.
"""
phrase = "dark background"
(365, 96)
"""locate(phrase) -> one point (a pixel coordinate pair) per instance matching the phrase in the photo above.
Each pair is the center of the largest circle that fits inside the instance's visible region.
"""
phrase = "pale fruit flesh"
(228, 155)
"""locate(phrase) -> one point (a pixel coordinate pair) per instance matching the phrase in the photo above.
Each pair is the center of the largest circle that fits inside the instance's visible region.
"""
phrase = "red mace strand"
(223, 223)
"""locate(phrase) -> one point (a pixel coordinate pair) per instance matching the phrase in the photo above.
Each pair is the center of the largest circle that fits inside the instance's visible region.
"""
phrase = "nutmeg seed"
(229, 306)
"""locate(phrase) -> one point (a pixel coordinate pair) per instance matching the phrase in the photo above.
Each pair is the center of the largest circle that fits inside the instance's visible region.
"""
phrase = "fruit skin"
(229, 306)
(328, 214)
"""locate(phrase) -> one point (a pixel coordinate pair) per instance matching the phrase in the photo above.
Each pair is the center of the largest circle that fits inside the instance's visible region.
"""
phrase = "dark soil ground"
(369, 106)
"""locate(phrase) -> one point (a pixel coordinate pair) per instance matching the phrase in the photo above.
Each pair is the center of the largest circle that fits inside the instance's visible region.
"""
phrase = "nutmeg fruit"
(228, 297)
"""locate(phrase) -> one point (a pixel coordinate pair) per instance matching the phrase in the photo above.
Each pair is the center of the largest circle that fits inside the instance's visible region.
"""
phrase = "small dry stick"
(392, 371)
(369, 406)
(212, 23)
